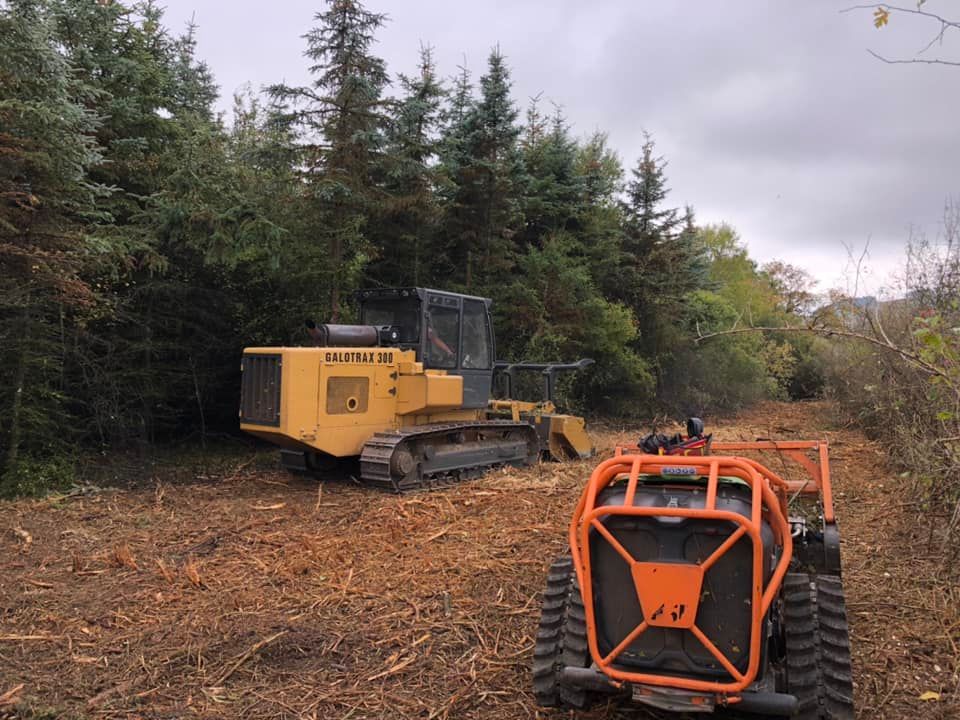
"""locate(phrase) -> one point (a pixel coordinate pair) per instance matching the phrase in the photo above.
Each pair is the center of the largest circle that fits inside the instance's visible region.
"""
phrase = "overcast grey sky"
(772, 115)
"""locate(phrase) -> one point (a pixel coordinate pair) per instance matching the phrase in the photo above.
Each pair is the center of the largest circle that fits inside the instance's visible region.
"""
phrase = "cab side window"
(476, 336)
(443, 337)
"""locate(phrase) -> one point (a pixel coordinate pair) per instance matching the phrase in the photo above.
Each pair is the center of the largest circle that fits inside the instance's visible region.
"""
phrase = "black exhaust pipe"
(329, 335)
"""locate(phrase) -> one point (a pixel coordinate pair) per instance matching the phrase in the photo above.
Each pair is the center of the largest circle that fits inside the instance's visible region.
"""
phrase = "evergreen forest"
(146, 238)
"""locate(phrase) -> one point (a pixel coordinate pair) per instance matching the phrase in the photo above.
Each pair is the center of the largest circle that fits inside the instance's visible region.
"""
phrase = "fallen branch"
(39, 583)
(257, 647)
(9, 697)
(394, 669)
(120, 689)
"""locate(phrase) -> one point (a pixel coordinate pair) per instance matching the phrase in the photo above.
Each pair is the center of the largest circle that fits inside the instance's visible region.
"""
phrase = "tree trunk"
(148, 397)
(336, 259)
(15, 435)
(199, 396)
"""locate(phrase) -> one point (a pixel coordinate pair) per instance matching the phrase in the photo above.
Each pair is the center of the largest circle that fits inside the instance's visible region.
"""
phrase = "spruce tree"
(554, 192)
(193, 89)
(125, 55)
(661, 262)
(662, 259)
(340, 118)
(407, 218)
(47, 147)
(601, 220)
(649, 223)
(453, 138)
(149, 364)
(487, 176)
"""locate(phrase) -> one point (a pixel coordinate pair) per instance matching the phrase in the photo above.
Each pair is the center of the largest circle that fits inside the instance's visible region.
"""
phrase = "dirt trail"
(255, 595)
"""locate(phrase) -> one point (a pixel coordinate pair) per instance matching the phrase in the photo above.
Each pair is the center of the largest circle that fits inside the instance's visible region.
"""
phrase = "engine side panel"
(333, 400)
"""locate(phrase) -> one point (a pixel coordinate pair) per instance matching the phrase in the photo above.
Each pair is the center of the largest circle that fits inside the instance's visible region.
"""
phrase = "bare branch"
(910, 11)
(922, 61)
(909, 356)
(883, 333)
(945, 25)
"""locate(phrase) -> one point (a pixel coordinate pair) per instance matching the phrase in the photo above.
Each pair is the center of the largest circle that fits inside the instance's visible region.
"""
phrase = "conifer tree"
(601, 221)
(340, 117)
(554, 192)
(175, 221)
(124, 54)
(661, 262)
(453, 138)
(46, 204)
(193, 88)
(488, 177)
(408, 216)
(649, 223)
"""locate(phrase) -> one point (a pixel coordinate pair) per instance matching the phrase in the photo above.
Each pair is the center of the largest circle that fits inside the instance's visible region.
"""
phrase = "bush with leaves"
(900, 380)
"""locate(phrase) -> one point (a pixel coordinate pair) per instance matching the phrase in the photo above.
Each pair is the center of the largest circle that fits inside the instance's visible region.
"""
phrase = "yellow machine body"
(407, 392)
(333, 400)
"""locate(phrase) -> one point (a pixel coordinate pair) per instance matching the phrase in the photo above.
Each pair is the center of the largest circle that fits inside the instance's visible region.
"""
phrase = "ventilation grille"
(260, 390)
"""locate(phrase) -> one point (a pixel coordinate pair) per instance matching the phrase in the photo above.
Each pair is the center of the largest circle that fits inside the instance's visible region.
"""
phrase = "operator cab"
(448, 331)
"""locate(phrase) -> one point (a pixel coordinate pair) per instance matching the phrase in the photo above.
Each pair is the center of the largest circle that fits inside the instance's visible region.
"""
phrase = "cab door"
(476, 353)
(459, 339)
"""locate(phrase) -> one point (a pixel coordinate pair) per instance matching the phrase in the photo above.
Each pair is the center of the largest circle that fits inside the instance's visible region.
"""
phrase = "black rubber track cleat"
(817, 647)
(561, 640)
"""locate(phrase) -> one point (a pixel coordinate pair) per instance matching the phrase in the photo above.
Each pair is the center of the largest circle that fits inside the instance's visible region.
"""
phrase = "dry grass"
(260, 595)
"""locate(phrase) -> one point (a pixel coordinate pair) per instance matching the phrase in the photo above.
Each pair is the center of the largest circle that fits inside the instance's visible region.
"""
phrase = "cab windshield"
(402, 313)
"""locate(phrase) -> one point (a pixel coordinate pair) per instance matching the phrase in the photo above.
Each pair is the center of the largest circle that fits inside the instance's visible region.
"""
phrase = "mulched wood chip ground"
(262, 595)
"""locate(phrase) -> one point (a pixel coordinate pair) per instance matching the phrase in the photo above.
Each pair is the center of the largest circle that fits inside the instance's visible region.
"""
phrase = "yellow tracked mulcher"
(408, 391)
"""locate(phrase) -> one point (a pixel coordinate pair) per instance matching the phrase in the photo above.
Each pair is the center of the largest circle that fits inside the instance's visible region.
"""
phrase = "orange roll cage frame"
(796, 450)
(662, 585)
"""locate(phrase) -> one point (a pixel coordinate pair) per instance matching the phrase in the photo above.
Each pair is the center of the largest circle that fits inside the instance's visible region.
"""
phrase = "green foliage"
(48, 201)
(555, 313)
(485, 172)
(30, 476)
(772, 296)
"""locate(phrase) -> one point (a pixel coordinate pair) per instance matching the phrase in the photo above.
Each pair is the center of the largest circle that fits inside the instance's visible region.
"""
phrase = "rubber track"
(561, 639)
(835, 668)
(377, 453)
(547, 652)
(818, 647)
(576, 652)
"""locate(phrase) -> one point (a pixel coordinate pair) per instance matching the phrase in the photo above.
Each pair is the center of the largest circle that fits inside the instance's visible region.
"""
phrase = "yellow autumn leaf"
(930, 695)
(881, 17)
